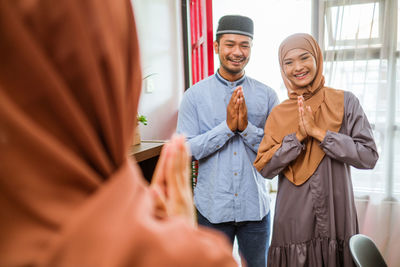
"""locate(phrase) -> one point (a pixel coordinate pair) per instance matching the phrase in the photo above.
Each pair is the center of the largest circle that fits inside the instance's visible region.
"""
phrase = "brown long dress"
(314, 221)
(70, 82)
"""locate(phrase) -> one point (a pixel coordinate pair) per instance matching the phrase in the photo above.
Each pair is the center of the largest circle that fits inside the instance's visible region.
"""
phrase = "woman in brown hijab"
(70, 82)
(310, 141)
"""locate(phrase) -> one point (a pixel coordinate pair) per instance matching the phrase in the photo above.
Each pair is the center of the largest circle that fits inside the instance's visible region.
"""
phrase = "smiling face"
(234, 53)
(299, 67)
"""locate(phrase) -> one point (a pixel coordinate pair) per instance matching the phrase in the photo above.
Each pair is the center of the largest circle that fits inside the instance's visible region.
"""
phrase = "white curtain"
(361, 50)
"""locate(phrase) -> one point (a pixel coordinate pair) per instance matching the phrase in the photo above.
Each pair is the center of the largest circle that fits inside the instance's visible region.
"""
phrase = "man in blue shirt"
(223, 117)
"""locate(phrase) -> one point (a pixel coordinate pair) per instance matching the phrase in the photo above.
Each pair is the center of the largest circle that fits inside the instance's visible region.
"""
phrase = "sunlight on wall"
(274, 20)
(160, 36)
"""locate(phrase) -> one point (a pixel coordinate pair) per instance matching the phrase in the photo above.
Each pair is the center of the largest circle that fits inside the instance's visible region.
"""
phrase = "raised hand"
(310, 126)
(232, 111)
(301, 133)
(170, 186)
(242, 116)
(307, 125)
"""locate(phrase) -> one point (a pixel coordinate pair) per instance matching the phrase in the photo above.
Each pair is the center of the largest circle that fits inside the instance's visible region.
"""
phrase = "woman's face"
(299, 67)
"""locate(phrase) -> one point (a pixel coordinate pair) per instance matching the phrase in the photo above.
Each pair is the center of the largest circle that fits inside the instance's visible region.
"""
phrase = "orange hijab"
(70, 83)
(327, 107)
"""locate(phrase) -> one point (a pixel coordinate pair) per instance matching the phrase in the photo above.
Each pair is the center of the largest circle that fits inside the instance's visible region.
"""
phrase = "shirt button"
(252, 145)
(234, 153)
(235, 173)
(217, 146)
(236, 195)
(229, 135)
(245, 134)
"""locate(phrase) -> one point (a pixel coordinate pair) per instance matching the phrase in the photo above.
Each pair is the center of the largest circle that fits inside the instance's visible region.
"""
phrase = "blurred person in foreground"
(70, 82)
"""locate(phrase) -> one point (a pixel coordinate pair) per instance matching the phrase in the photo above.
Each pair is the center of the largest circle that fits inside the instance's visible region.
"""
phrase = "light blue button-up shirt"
(228, 188)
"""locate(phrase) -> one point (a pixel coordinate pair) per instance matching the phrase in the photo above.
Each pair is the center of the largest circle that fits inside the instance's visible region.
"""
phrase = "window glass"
(367, 80)
(355, 25)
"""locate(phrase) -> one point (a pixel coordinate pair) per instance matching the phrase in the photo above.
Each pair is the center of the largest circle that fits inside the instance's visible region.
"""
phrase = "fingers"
(301, 112)
(308, 114)
(237, 104)
(300, 107)
(300, 104)
(171, 186)
(180, 199)
(234, 96)
(181, 166)
(159, 179)
(160, 166)
(237, 96)
(160, 207)
(302, 129)
(236, 107)
(300, 101)
(243, 101)
(171, 175)
(239, 91)
(306, 118)
(178, 167)
(242, 111)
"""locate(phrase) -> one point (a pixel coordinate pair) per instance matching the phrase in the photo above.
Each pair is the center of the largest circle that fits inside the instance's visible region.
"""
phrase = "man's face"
(234, 52)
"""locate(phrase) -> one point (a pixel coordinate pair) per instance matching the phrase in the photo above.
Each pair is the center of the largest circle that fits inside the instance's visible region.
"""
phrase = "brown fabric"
(327, 107)
(70, 82)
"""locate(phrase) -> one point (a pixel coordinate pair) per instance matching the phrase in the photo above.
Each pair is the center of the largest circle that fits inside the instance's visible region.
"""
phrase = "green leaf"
(142, 119)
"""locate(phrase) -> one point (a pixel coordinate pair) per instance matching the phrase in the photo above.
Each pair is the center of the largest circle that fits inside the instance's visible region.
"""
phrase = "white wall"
(160, 37)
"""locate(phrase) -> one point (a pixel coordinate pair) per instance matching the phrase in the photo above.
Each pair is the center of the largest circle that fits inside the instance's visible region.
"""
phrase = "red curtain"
(201, 29)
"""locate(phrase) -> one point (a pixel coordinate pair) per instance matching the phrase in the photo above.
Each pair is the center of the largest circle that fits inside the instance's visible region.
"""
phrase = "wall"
(160, 37)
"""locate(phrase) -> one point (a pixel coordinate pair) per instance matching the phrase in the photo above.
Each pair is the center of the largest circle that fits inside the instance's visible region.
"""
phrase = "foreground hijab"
(70, 82)
(327, 107)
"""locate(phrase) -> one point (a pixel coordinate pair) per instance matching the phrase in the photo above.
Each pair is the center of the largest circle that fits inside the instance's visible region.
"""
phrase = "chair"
(364, 252)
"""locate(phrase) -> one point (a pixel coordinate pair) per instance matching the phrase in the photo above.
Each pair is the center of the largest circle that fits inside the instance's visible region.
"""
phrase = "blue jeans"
(252, 237)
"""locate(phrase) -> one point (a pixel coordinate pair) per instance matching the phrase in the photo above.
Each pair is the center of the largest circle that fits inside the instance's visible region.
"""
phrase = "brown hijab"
(70, 82)
(327, 107)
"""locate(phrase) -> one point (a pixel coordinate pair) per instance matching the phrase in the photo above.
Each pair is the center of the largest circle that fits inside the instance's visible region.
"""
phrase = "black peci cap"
(235, 24)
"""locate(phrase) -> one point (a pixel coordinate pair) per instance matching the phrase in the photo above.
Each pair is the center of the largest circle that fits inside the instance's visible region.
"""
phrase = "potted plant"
(139, 119)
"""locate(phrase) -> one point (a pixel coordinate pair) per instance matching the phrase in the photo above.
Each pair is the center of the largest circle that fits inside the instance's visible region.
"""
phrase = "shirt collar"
(229, 83)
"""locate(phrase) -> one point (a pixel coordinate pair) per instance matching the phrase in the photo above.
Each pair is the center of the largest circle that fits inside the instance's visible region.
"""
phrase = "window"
(354, 25)
(360, 51)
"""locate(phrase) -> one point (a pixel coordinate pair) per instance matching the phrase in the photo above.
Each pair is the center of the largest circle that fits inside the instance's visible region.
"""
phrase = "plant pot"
(136, 138)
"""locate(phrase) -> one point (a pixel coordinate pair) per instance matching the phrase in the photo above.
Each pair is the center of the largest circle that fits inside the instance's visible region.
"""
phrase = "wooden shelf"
(146, 155)
(146, 150)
